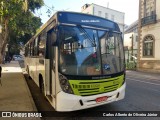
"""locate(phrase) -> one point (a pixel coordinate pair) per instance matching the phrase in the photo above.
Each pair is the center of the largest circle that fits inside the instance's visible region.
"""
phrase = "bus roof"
(65, 17)
(87, 20)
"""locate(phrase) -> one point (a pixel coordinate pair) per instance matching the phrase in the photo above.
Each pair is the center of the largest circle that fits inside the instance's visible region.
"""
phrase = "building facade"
(131, 42)
(149, 36)
(105, 12)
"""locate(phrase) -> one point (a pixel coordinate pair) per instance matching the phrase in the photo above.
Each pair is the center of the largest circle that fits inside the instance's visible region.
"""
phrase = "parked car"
(17, 57)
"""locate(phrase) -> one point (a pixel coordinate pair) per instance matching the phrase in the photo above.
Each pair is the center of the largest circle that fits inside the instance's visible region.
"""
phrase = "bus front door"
(50, 54)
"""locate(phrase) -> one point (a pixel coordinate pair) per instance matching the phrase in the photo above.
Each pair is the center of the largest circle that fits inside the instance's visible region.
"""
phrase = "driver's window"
(111, 44)
(103, 36)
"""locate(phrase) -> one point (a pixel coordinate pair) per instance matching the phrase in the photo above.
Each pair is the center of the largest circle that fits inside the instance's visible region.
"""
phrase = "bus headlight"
(65, 84)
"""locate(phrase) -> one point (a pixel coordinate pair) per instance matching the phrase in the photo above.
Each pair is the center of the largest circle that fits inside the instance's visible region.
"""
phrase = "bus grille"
(93, 87)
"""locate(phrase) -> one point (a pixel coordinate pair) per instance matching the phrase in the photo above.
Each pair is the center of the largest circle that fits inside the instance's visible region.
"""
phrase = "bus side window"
(31, 49)
(33, 52)
(26, 50)
(36, 47)
(51, 39)
(42, 45)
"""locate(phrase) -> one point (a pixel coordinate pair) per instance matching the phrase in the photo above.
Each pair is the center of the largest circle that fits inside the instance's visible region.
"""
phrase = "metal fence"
(131, 59)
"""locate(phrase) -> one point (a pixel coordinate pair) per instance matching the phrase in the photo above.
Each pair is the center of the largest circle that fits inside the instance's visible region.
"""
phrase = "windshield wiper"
(86, 36)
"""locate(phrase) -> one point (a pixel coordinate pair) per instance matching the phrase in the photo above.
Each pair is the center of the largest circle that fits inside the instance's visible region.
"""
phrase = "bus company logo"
(91, 21)
(101, 77)
(20, 114)
(107, 67)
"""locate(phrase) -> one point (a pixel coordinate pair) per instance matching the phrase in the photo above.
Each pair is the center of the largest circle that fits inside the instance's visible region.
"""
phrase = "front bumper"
(69, 102)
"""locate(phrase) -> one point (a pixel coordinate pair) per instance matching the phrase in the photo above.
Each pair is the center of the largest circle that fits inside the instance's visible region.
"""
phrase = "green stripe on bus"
(89, 87)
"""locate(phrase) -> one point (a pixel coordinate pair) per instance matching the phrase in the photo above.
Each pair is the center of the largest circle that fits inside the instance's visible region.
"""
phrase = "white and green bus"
(77, 60)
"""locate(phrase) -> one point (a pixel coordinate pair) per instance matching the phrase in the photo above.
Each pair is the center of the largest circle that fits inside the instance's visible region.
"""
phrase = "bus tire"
(41, 84)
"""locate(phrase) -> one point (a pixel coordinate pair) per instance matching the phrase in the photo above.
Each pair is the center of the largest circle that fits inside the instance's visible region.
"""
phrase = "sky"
(129, 7)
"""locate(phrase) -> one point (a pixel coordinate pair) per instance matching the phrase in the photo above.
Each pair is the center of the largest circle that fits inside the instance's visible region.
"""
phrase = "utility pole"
(131, 47)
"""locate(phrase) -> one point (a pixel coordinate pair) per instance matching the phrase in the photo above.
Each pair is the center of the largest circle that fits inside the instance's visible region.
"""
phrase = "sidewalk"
(14, 92)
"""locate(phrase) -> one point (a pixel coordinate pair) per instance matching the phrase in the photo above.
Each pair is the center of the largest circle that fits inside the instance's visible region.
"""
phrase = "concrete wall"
(128, 40)
(118, 16)
(88, 10)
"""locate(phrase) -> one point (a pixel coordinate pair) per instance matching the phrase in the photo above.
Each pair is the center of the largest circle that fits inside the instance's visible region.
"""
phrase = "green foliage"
(35, 4)
(14, 47)
(131, 65)
(25, 24)
(22, 23)
(10, 8)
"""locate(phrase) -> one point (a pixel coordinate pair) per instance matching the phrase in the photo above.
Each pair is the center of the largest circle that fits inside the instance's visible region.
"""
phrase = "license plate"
(101, 99)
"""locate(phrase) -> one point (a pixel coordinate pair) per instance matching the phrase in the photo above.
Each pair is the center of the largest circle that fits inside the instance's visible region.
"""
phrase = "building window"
(136, 38)
(106, 15)
(148, 46)
(99, 13)
(149, 8)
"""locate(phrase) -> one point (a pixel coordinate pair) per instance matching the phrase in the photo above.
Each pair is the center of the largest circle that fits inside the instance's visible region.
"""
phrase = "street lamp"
(131, 46)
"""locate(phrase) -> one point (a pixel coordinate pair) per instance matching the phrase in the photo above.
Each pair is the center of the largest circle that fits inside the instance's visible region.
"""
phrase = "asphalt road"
(142, 94)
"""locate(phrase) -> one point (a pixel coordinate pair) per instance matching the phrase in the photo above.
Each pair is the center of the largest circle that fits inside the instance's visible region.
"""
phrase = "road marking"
(155, 90)
(145, 76)
(151, 80)
(144, 82)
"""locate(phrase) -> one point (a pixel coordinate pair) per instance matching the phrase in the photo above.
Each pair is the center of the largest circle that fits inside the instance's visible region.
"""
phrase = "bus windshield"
(88, 52)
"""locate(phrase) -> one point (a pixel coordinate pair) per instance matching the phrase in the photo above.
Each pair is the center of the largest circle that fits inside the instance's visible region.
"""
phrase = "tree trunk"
(1, 56)
(4, 40)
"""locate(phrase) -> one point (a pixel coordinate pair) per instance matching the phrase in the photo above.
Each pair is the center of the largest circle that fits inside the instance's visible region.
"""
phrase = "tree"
(14, 17)
(26, 28)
